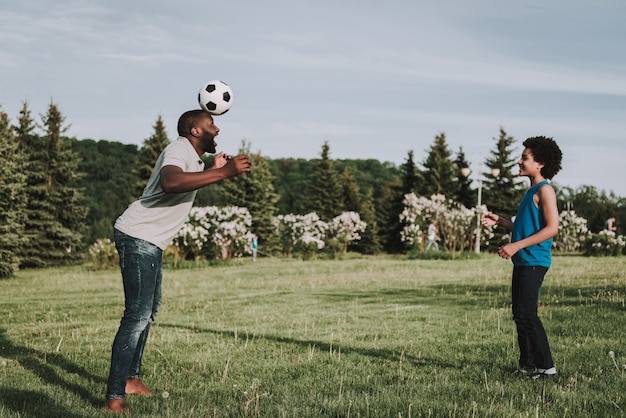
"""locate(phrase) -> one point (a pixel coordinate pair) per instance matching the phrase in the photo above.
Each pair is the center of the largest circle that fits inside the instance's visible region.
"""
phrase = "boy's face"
(527, 164)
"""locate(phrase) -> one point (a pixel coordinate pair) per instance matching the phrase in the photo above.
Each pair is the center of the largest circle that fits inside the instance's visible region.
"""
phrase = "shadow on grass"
(35, 404)
(325, 346)
(46, 367)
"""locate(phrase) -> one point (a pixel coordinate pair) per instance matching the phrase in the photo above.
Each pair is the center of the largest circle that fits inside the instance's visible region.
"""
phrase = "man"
(146, 228)
(609, 225)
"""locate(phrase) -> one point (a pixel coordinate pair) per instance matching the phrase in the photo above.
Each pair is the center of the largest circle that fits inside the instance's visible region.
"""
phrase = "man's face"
(209, 131)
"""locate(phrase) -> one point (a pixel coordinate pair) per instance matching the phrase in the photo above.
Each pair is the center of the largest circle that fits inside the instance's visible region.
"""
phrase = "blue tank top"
(528, 221)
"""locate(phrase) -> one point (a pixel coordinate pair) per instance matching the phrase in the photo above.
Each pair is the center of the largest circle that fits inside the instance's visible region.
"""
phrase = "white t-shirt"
(157, 216)
(432, 232)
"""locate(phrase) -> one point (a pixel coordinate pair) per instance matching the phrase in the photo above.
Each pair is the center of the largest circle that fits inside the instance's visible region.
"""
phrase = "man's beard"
(209, 142)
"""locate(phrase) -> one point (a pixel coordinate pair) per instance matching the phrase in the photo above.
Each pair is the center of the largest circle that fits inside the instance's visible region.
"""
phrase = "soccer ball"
(216, 97)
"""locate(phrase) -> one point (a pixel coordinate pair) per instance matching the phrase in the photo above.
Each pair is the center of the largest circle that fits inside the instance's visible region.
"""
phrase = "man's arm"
(175, 180)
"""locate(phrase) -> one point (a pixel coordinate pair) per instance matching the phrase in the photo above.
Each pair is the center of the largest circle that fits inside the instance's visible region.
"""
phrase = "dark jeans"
(531, 336)
(141, 264)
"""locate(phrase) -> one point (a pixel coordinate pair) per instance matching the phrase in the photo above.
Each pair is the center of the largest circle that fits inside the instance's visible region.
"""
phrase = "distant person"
(530, 249)
(609, 225)
(254, 245)
(145, 229)
(433, 235)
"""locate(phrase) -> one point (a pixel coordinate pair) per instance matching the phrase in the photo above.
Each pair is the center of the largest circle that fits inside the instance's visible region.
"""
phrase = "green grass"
(363, 337)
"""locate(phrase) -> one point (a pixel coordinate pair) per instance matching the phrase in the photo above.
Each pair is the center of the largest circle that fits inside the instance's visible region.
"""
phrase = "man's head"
(545, 151)
(197, 126)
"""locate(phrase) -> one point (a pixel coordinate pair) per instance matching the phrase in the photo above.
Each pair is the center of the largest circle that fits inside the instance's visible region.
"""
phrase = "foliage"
(300, 234)
(455, 222)
(254, 191)
(108, 184)
(103, 254)
(149, 153)
(324, 189)
(55, 211)
(409, 182)
(214, 232)
(344, 229)
(502, 193)
(464, 194)
(594, 205)
(12, 199)
(370, 242)
(604, 243)
(440, 172)
(572, 232)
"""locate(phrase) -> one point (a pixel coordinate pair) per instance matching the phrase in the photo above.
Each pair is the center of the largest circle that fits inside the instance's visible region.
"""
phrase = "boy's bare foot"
(117, 405)
(136, 387)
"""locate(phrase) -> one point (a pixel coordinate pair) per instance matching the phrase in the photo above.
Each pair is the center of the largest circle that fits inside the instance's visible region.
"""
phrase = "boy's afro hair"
(547, 152)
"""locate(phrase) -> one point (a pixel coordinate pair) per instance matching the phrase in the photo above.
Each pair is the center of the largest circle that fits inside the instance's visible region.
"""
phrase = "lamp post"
(466, 172)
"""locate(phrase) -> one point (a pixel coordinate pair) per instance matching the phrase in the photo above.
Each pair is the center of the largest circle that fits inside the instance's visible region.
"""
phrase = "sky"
(374, 79)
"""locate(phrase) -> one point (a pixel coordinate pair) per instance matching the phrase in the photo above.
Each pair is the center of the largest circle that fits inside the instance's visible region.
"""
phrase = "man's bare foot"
(117, 405)
(136, 387)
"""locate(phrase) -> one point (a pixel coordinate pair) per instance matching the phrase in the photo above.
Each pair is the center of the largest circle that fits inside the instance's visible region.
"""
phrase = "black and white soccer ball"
(216, 97)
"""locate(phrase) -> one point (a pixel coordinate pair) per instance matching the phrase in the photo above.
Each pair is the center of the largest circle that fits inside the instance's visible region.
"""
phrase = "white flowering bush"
(605, 243)
(303, 234)
(572, 232)
(212, 232)
(455, 222)
(343, 230)
(103, 254)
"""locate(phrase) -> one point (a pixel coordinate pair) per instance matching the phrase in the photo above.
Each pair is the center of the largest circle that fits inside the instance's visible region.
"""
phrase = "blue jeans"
(531, 336)
(141, 264)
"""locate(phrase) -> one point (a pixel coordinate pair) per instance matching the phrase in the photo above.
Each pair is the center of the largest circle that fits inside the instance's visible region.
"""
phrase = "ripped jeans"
(141, 264)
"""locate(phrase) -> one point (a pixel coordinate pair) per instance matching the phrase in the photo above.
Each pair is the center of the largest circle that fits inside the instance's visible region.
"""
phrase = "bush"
(606, 243)
(103, 254)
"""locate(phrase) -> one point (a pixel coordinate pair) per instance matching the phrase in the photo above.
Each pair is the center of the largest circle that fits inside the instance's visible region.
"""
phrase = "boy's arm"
(491, 219)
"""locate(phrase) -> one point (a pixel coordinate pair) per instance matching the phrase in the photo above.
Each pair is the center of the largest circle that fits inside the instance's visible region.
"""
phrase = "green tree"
(148, 154)
(593, 205)
(440, 171)
(370, 240)
(350, 193)
(55, 210)
(291, 178)
(410, 179)
(255, 191)
(12, 199)
(108, 183)
(324, 196)
(464, 193)
(503, 192)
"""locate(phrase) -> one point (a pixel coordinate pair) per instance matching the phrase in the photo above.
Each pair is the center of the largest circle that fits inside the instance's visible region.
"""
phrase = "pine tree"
(370, 242)
(502, 193)
(464, 193)
(410, 179)
(350, 193)
(148, 154)
(255, 191)
(324, 189)
(55, 212)
(440, 171)
(12, 199)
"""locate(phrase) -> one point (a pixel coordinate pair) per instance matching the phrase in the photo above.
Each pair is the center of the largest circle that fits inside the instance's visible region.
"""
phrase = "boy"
(536, 223)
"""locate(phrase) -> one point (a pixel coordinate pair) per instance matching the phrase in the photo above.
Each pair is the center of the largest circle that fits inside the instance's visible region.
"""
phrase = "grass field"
(361, 337)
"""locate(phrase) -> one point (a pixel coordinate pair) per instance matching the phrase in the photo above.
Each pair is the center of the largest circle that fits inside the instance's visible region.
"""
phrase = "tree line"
(60, 194)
